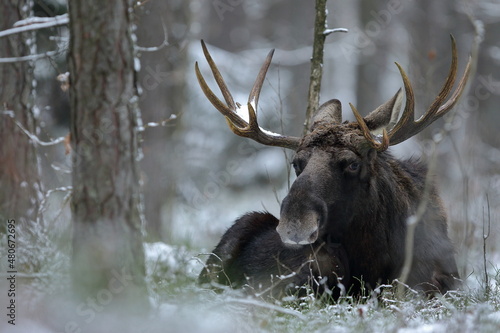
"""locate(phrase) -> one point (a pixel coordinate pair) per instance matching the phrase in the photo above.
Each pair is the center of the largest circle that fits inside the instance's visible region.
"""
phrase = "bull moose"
(343, 224)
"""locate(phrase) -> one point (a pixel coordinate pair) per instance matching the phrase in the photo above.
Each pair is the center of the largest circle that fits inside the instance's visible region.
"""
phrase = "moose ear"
(386, 115)
(328, 113)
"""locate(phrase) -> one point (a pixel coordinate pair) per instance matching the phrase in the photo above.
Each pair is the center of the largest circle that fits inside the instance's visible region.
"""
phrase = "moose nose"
(297, 237)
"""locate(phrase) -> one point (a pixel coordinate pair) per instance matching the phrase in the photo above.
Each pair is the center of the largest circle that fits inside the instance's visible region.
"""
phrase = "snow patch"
(164, 261)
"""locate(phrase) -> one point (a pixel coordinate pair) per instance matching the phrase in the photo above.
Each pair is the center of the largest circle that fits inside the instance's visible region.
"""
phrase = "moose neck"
(380, 217)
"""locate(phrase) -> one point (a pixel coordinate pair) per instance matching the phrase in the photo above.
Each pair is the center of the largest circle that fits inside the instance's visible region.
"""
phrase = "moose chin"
(342, 226)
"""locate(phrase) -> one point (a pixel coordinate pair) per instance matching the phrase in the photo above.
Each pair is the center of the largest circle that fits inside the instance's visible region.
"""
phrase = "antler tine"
(259, 81)
(253, 131)
(408, 116)
(407, 126)
(447, 86)
(458, 92)
(218, 78)
(228, 111)
(380, 146)
(236, 123)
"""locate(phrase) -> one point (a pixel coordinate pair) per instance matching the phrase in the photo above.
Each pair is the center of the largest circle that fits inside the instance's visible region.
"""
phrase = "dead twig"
(486, 234)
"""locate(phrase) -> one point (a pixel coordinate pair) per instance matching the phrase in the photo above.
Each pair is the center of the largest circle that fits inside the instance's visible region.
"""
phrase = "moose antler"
(407, 127)
(235, 113)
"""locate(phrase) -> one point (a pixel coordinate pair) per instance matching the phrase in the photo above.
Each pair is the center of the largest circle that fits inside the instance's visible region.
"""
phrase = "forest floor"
(179, 304)
(472, 309)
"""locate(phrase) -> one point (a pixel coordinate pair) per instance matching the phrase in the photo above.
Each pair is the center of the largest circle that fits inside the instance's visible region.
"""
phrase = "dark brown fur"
(345, 216)
(359, 200)
(251, 254)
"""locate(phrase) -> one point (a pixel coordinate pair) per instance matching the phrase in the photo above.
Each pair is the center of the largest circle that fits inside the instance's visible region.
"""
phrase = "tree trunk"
(19, 176)
(108, 255)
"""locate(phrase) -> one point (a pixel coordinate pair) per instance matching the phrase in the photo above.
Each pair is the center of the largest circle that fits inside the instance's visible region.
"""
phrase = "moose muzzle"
(299, 232)
(301, 218)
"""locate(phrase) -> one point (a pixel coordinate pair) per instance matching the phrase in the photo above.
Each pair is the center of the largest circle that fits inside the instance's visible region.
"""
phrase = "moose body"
(252, 254)
(343, 224)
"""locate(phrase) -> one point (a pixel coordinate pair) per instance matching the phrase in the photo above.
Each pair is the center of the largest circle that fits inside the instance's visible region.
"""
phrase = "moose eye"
(296, 167)
(354, 166)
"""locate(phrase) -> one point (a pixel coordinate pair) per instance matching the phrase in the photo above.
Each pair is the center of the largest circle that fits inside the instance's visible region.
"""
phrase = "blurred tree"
(107, 241)
(163, 81)
(19, 176)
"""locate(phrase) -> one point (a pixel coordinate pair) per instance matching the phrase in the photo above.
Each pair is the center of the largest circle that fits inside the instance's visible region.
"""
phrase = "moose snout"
(302, 213)
(298, 236)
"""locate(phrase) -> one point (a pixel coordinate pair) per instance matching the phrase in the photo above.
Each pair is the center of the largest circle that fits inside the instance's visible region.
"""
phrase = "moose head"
(337, 163)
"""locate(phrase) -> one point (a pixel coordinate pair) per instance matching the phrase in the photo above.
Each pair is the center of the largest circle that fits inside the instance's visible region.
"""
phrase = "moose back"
(343, 224)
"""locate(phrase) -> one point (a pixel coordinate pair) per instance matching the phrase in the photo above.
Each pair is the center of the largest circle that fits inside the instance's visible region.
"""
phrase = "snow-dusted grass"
(172, 273)
(180, 305)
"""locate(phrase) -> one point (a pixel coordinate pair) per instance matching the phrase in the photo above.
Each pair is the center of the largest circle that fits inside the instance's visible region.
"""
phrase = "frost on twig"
(326, 32)
(30, 24)
(164, 122)
(35, 23)
(43, 204)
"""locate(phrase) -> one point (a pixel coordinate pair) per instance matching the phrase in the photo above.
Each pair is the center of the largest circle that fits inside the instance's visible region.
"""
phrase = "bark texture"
(19, 176)
(107, 240)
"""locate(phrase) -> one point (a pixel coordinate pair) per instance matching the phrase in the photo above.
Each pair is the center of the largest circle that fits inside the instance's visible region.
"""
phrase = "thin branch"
(412, 222)
(163, 123)
(32, 57)
(32, 136)
(36, 23)
(159, 47)
(326, 32)
(486, 234)
(43, 203)
(152, 48)
(320, 32)
(30, 24)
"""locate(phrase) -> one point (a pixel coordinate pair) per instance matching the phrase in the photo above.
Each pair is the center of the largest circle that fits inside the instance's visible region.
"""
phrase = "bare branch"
(36, 23)
(32, 136)
(413, 220)
(159, 47)
(162, 123)
(32, 57)
(30, 24)
(326, 32)
(43, 204)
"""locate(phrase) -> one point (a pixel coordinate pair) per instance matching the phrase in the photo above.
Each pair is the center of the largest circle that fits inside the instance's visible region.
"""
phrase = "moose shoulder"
(342, 226)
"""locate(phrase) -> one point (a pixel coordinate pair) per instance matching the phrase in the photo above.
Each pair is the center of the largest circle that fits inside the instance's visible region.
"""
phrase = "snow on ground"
(190, 308)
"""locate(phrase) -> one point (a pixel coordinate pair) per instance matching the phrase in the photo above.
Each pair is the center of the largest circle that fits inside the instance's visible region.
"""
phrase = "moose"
(343, 224)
